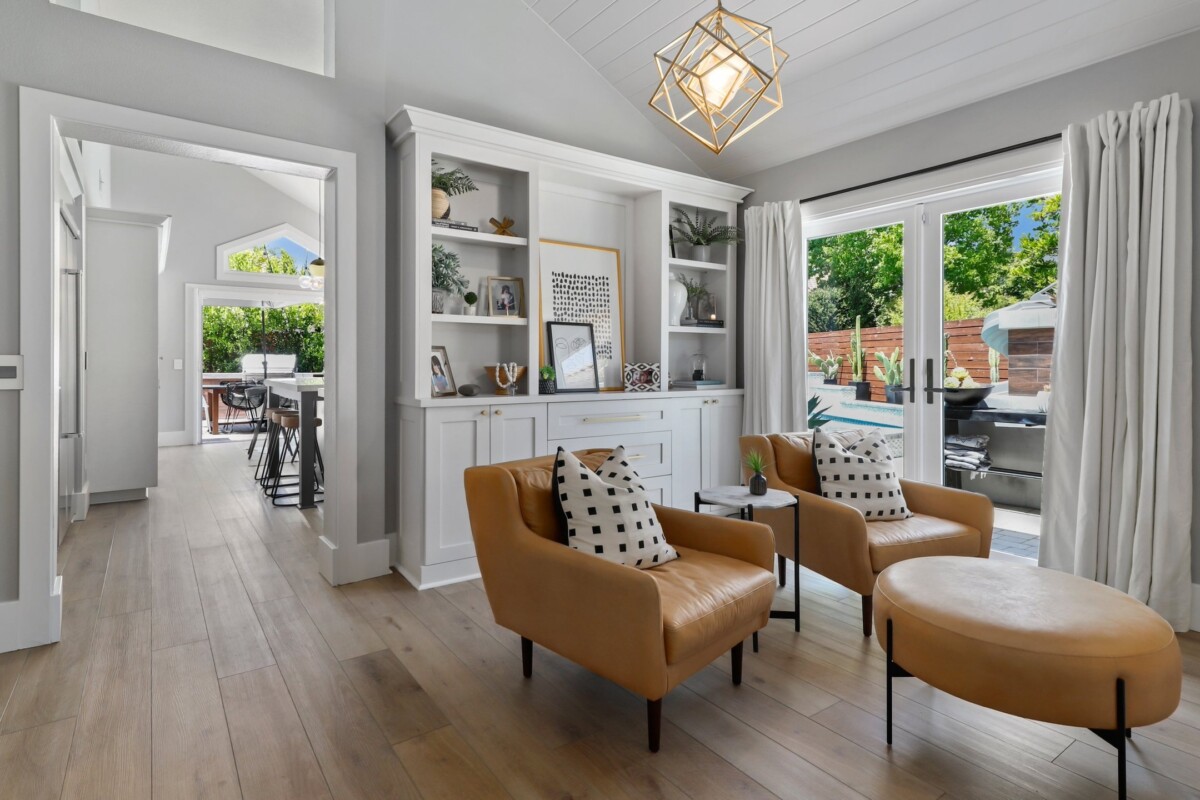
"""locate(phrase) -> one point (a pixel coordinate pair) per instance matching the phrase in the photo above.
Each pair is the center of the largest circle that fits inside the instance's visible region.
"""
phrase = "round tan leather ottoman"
(1029, 641)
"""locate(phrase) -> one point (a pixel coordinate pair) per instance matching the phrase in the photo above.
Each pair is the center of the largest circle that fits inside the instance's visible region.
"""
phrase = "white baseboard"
(359, 562)
(435, 575)
(122, 496)
(173, 438)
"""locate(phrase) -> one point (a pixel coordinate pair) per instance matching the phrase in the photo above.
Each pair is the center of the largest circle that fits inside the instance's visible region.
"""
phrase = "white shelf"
(475, 237)
(463, 319)
(694, 329)
(683, 263)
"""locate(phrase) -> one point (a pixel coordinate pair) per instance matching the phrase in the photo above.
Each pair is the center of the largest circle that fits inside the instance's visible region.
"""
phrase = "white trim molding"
(284, 230)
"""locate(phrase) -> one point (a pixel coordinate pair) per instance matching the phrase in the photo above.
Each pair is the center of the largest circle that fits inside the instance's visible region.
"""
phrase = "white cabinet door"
(722, 430)
(455, 439)
(518, 431)
(687, 468)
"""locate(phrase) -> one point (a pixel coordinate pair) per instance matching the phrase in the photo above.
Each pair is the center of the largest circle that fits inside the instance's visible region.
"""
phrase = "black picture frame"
(568, 358)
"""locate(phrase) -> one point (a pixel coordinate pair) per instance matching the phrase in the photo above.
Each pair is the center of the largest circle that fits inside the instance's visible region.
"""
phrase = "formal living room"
(781, 399)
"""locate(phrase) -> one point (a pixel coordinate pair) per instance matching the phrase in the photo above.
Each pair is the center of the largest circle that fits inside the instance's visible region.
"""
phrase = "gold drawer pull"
(635, 457)
(626, 418)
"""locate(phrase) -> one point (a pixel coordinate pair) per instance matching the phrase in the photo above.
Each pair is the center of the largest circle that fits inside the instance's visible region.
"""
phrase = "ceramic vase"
(758, 484)
(701, 252)
(439, 300)
(439, 203)
(678, 298)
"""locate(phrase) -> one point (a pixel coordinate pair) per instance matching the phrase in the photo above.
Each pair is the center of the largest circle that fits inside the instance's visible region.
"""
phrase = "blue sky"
(298, 253)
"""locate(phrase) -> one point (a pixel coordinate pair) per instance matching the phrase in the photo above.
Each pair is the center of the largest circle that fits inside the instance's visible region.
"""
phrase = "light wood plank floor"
(203, 657)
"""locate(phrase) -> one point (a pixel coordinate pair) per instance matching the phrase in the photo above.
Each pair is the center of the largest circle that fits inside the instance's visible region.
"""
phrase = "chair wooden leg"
(527, 657)
(654, 722)
(735, 656)
(867, 611)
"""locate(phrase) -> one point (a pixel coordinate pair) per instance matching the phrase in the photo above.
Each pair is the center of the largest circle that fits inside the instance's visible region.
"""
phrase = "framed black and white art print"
(582, 283)
(571, 350)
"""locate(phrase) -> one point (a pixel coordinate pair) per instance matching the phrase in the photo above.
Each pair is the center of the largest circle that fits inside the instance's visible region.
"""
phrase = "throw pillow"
(617, 471)
(612, 520)
(856, 468)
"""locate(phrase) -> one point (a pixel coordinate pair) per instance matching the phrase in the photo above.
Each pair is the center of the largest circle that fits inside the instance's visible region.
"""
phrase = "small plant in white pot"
(445, 184)
(469, 303)
(447, 277)
(702, 232)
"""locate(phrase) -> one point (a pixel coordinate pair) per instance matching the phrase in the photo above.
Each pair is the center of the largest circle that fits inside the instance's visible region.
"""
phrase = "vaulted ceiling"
(859, 67)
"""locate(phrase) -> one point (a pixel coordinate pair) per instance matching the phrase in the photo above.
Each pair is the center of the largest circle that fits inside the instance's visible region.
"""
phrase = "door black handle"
(929, 387)
(912, 383)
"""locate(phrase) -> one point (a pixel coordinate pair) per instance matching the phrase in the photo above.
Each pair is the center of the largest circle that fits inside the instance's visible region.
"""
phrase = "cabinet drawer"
(587, 420)
(648, 453)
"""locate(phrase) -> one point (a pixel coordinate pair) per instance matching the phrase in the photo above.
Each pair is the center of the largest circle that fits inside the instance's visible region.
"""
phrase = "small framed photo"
(642, 377)
(573, 356)
(441, 376)
(506, 297)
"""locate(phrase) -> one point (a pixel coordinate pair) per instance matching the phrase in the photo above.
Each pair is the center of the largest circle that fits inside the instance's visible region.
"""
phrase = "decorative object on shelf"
(546, 383)
(572, 354)
(582, 283)
(447, 277)
(506, 377)
(643, 377)
(441, 375)
(444, 185)
(678, 295)
(699, 366)
(702, 233)
(503, 227)
(468, 389)
(892, 375)
(712, 322)
(312, 277)
(506, 296)
(693, 385)
(454, 225)
(696, 292)
(829, 366)
(858, 358)
(470, 300)
(756, 464)
(719, 80)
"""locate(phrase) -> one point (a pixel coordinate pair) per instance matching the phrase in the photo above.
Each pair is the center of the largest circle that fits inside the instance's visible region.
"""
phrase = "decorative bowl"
(491, 373)
(966, 397)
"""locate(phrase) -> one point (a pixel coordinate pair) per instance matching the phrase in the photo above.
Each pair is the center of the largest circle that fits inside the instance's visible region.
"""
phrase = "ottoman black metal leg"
(894, 670)
(1117, 736)
(754, 641)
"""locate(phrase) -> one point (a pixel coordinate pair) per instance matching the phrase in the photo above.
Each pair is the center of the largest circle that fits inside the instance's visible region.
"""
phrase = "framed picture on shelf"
(506, 297)
(582, 283)
(571, 351)
(642, 377)
(441, 376)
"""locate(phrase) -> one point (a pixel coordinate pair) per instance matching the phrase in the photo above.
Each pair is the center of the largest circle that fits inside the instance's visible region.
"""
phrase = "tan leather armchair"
(837, 541)
(645, 630)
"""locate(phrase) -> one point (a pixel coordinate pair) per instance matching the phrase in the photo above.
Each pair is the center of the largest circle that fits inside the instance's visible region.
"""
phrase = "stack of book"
(454, 224)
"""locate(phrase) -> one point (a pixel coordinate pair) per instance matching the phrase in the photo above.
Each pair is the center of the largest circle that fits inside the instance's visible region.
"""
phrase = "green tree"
(263, 260)
(231, 332)
(865, 268)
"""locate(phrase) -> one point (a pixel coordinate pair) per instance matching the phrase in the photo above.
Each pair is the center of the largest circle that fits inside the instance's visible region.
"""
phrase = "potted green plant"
(892, 375)
(469, 301)
(756, 464)
(447, 277)
(858, 357)
(546, 380)
(446, 184)
(816, 416)
(701, 232)
(829, 366)
(697, 292)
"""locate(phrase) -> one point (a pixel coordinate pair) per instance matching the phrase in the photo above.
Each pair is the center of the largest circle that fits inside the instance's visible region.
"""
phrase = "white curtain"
(1117, 504)
(773, 320)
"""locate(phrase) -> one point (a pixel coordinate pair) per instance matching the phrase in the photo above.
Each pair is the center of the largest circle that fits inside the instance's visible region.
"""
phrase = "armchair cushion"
(856, 469)
(706, 597)
(893, 541)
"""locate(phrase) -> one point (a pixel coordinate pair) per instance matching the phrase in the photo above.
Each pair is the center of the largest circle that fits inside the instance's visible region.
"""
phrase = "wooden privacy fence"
(964, 341)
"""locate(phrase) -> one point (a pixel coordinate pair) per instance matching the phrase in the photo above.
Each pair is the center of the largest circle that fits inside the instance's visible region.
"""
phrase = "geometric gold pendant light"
(720, 79)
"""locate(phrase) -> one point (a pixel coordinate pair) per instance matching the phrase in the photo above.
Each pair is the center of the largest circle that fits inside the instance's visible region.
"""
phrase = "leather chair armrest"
(957, 505)
(833, 542)
(752, 542)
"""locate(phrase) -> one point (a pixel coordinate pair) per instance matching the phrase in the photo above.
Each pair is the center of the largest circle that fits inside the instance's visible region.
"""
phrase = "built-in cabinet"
(679, 440)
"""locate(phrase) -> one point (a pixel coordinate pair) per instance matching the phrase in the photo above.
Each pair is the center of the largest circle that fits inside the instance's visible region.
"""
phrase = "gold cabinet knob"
(498, 412)
(483, 413)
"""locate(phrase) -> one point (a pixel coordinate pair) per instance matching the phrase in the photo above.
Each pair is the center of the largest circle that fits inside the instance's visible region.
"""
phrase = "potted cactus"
(756, 464)
(829, 366)
(858, 357)
(892, 375)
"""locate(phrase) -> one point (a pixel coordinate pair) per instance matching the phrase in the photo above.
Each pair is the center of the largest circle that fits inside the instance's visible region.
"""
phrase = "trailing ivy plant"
(447, 272)
(702, 230)
(453, 182)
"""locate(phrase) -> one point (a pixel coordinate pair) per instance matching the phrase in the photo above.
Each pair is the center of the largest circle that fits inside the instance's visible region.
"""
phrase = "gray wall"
(209, 204)
(1028, 113)
(388, 53)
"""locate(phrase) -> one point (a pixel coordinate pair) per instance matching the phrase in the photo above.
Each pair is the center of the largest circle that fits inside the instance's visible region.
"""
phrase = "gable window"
(274, 256)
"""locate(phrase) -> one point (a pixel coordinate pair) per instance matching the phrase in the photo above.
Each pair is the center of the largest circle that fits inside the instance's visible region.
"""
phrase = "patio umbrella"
(263, 316)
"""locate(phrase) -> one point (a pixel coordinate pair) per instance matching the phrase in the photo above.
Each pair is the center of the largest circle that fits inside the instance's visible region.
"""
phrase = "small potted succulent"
(892, 375)
(445, 184)
(702, 232)
(858, 358)
(756, 464)
(447, 277)
(469, 304)
(829, 366)
(546, 380)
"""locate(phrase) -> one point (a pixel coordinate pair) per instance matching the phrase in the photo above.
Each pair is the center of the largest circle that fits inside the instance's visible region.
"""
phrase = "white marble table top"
(740, 497)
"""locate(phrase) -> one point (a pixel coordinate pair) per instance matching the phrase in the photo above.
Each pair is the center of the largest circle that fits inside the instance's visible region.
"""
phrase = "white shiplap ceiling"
(858, 67)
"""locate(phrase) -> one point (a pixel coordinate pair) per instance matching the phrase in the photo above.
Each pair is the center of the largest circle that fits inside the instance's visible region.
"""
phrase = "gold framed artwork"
(582, 283)
(505, 296)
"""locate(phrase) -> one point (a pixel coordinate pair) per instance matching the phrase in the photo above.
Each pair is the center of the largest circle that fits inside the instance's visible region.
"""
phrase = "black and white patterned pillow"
(612, 520)
(617, 471)
(856, 468)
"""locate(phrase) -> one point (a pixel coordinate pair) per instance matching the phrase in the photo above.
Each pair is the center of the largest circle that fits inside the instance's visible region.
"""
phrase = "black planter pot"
(862, 390)
(547, 386)
(831, 381)
(895, 394)
(758, 484)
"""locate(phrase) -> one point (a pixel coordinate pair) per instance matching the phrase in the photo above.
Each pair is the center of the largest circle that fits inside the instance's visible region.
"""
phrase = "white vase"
(701, 252)
(677, 299)
(469, 310)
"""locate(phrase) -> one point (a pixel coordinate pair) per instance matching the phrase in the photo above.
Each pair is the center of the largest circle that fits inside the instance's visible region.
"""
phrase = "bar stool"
(289, 425)
(274, 451)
